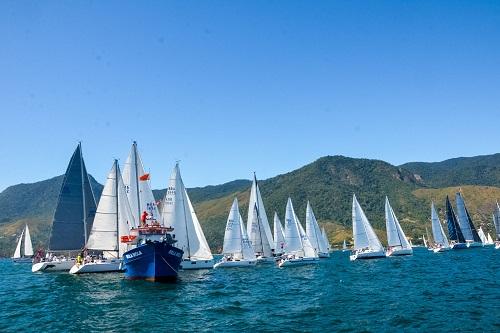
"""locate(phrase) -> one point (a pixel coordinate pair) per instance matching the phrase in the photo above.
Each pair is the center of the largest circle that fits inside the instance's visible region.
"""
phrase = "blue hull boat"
(156, 261)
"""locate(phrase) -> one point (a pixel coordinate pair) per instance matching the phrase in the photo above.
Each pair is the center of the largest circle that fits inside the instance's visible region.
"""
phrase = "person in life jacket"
(144, 217)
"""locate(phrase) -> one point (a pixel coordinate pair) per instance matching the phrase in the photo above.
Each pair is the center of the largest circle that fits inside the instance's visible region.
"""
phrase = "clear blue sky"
(232, 87)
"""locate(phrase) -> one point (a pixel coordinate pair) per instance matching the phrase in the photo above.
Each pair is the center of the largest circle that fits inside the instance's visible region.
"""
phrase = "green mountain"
(478, 170)
(328, 183)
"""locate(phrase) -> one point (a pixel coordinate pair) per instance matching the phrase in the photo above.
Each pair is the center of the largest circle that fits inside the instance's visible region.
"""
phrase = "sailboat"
(178, 212)
(314, 234)
(489, 240)
(237, 248)
(344, 247)
(468, 230)
(258, 229)
(440, 241)
(27, 253)
(279, 236)
(398, 244)
(325, 238)
(138, 188)
(457, 240)
(72, 220)
(298, 248)
(366, 243)
(112, 221)
(496, 223)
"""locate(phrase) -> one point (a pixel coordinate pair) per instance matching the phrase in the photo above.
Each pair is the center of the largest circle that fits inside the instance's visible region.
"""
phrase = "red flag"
(144, 177)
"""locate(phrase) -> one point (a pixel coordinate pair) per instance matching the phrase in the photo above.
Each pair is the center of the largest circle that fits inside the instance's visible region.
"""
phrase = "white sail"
(138, 188)
(313, 231)
(463, 219)
(28, 246)
(425, 241)
(364, 235)
(260, 236)
(246, 245)
(482, 236)
(279, 235)
(395, 235)
(232, 235)
(344, 245)
(17, 253)
(490, 240)
(293, 240)
(437, 229)
(178, 212)
(113, 217)
(325, 237)
(307, 248)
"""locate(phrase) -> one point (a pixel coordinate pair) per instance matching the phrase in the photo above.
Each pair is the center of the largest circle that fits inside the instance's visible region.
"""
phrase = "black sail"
(75, 208)
(453, 228)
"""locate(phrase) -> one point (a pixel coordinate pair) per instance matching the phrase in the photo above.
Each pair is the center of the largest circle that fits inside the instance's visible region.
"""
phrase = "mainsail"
(465, 221)
(395, 235)
(113, 218)
(75, 208)
(178, 212)
(325, 237)
(313, 231)
(437, 229)
(482, 236)
(293, 240)
(279, 235)
(138, 187)
(258, 229)
(454, 230)
(364, 235)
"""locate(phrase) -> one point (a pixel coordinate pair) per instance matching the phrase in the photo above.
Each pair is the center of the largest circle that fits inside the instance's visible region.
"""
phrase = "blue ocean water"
(454, 291)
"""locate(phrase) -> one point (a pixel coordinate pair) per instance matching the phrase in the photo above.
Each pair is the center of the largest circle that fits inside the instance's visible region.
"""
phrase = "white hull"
(235, 263)
(23, 259)
(474, 244)
(324, 254)
(298, 261)
(399, 252)
(497, 246)
(188, 264)
(367, 254)
(488, 244)
(101, 266)
(53, 266)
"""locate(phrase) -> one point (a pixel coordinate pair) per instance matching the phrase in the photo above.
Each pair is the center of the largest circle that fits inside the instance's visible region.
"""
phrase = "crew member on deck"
(144, 217)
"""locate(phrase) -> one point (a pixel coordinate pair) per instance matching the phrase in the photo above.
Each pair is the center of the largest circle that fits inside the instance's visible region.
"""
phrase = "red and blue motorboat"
(154, 258)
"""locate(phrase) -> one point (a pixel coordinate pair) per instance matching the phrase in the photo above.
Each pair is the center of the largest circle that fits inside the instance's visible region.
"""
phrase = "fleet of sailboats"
(24, 254)
(127, 207)
(398, 244)
(237, 249)
(178, 212)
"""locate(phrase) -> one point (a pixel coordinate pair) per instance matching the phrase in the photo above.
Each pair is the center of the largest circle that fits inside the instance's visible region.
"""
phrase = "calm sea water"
(455, 291)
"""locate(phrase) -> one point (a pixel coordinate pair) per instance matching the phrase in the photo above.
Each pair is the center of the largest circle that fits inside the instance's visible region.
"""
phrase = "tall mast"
(117, 210)
(137, 181)
(83, 194)
(184, 208)
(258, 211)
